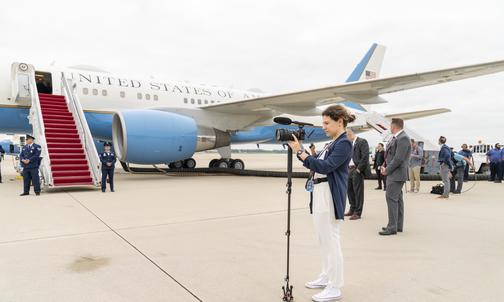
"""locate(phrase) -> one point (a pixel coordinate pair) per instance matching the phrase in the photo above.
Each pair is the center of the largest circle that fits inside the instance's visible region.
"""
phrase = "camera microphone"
(282, 120)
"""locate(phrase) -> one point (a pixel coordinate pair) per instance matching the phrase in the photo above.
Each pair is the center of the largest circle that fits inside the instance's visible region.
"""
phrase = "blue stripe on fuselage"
(15, 120)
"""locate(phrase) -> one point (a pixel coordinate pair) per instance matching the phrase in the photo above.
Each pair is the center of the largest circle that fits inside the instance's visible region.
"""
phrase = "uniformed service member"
(30, 161)
(108, 160)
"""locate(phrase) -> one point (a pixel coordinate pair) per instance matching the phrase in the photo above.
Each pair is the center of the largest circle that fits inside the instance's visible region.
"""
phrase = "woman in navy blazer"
(328, 188)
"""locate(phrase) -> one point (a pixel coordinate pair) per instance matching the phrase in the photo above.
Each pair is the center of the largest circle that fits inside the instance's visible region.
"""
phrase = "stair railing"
(38, 128)
(68, 90)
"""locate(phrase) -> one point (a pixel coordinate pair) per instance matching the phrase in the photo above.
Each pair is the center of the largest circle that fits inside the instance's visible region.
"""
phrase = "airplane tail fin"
(368, 68)
(370, 65)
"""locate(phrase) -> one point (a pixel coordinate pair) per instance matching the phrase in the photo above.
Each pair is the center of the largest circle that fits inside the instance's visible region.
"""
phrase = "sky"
(279, 46)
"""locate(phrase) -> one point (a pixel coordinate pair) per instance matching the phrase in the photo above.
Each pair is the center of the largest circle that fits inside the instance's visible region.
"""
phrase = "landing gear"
(189, 163)
(225, 163)
(176, 165)
(237, 164)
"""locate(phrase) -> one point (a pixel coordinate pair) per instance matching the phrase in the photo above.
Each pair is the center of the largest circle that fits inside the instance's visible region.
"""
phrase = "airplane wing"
(417, 114)
(362, 92)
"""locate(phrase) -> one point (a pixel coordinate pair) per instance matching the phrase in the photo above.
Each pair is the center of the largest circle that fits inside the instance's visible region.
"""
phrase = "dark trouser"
(494, 170)
(500, 173)
(395, 205)
(31, 176)
(459, 173)
(0, 170)
(381, 179)
(356, 191)
(466, 173)
(110, 174)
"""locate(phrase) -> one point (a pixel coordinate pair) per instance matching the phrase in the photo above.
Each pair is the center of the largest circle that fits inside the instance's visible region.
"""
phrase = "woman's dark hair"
(381, 144)
(336, 112)
(442, 139)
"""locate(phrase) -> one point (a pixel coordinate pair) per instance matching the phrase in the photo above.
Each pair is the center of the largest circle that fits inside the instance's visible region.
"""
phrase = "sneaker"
(319, 283)
(328, 294)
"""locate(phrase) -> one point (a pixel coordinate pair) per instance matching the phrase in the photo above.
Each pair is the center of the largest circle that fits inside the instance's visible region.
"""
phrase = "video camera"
(284, 135)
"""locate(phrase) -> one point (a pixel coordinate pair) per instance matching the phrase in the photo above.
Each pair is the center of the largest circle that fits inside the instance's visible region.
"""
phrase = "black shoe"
(24, 194)
(103, 191)
(379, 188)
(456, 192)
(398, 230)
(37, 193)
(112, 191)
(498, 181)
(387, 233)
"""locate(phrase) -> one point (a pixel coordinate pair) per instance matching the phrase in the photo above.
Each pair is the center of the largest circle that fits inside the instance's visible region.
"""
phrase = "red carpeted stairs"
(68, 162)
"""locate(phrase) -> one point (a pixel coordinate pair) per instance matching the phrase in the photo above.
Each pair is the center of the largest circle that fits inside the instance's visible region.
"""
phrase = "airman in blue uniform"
(108, 160)
(30, 161)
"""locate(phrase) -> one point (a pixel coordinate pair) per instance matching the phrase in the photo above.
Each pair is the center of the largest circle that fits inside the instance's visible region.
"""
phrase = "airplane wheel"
(238, 164)
(222, 164)
(190, 163)
(213, 163)
(176, 165)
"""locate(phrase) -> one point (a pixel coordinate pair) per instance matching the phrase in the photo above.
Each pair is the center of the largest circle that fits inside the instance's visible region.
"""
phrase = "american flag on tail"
(370, 75)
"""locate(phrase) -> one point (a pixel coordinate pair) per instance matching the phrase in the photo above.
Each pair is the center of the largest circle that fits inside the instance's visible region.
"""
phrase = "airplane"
(165, 122)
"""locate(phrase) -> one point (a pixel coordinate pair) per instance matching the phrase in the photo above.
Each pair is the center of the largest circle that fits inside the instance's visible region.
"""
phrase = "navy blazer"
(444, 156)
(110, 158)
(33, 154)
(335, 166)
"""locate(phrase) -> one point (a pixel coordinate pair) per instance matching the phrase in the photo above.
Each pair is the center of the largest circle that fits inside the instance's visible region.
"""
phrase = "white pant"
(328, 233)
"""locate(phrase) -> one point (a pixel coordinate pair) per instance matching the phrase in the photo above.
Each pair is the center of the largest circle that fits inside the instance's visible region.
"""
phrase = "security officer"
(2, 152)
(30, 161)
(494, 157)
(108, 160)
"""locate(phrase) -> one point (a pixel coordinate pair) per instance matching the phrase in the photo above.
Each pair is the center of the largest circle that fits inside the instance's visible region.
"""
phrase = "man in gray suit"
(397, 157)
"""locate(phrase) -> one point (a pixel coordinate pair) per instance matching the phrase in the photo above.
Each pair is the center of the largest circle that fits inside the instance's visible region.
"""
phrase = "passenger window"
(185, 100)
(155, 97)
(199, 102)
(192, 101)
(104, 92)
(95, 91)
(147, 96)
(85, 90)
(139, 96)
(122, 94)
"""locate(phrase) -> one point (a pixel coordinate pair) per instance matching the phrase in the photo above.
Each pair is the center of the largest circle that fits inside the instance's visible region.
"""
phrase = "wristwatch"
(299, 152)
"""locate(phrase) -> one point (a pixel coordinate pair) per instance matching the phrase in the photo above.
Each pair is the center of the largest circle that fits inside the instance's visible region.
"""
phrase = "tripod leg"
(287, 289)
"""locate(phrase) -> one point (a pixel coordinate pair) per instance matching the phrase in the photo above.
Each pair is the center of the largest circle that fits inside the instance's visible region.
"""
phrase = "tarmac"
(221, 238)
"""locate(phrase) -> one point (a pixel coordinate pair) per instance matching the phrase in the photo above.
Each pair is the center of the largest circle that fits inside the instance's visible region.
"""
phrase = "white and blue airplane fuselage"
(155, 121)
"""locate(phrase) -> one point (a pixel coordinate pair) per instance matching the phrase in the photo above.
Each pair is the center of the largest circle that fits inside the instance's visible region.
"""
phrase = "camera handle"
(287, 288)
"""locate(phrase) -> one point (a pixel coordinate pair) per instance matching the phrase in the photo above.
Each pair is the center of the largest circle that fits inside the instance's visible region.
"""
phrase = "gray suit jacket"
(397, 158)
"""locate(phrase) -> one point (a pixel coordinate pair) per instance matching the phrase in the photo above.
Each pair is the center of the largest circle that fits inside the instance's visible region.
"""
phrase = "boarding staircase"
(69, 154)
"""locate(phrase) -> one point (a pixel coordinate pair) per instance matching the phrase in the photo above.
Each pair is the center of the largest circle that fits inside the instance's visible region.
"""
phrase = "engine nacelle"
(154, 137)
